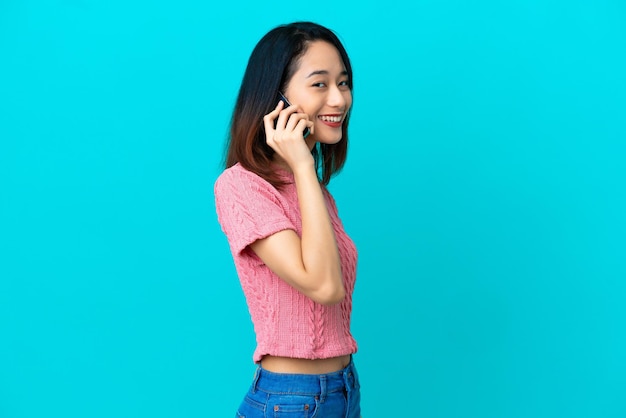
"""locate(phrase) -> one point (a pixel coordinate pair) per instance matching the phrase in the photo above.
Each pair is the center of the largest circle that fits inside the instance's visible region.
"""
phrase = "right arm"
(310, 264)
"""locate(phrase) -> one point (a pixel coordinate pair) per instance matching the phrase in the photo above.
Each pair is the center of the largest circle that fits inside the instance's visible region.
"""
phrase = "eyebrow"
(324, 72)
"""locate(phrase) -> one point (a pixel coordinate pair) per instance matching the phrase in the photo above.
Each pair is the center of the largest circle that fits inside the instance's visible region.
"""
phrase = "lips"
(330, 118)
(333, 121)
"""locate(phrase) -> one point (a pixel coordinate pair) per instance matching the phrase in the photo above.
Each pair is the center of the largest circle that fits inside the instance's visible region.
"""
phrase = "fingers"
(294, 122)
(289, 117)
(269, 119)
(310, 125)
(285, 120)
(301, 125)
(284, 133)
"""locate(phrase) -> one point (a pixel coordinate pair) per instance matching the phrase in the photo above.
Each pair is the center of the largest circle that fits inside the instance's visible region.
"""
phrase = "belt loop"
(354, 377)
(348, 377)
(255, 380)
(323, 388)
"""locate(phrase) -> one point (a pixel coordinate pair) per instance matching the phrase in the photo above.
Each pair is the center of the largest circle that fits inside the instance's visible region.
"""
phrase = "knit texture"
(286, 322)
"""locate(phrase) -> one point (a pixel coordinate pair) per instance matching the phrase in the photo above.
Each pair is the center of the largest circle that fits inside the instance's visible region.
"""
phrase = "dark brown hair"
(272, 63)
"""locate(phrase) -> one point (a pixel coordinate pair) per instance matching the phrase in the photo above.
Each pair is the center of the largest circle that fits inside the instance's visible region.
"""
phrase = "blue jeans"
(282, 395)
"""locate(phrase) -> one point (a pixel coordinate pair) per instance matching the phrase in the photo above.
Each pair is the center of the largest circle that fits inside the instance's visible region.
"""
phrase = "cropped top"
(286, 322)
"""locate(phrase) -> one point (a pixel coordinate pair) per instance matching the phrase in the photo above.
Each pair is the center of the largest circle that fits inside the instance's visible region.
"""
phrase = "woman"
(294, 260)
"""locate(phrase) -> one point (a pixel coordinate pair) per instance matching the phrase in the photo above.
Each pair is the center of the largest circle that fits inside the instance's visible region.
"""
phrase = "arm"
(311, 264)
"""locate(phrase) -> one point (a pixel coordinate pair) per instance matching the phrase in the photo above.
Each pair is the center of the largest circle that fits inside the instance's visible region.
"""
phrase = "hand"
(284, 134)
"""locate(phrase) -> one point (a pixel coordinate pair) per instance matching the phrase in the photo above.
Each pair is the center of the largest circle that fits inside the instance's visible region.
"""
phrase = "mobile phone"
(307, 131)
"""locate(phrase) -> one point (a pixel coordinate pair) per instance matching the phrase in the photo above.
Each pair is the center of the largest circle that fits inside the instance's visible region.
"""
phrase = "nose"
(337, 98)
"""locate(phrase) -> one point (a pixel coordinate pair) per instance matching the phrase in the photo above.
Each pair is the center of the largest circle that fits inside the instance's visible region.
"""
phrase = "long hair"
(272, 63)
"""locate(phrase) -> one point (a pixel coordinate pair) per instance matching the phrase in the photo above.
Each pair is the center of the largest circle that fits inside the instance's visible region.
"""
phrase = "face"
(320, 88)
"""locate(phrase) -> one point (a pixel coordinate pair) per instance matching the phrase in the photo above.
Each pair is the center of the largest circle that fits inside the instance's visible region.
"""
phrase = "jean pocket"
(250, 408)
(293, 406)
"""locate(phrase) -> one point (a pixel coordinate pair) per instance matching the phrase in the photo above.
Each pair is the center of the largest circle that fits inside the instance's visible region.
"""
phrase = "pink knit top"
(286, 322)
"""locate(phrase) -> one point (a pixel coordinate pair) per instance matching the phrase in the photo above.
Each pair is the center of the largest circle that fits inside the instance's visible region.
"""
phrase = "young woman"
(297, 266)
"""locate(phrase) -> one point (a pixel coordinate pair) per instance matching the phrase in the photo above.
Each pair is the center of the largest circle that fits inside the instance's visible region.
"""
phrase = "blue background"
(485, 189)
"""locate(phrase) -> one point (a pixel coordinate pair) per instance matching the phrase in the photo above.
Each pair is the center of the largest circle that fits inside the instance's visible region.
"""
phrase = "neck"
(279, 162)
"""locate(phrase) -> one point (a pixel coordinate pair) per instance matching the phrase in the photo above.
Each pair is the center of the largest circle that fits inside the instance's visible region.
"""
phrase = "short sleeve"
(248, 208)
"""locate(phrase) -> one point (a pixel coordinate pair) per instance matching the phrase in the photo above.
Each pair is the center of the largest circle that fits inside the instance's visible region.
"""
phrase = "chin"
(329, 141)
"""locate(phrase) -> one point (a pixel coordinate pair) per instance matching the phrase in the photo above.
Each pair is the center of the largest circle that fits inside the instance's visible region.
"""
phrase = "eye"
(320, 84)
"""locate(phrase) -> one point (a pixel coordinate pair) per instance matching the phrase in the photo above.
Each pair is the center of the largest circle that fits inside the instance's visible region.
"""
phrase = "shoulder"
(234, 174)
(240, 178)
(238, 184)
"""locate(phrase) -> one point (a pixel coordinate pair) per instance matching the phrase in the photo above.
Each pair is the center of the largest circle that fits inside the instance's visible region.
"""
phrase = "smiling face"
(320, 87)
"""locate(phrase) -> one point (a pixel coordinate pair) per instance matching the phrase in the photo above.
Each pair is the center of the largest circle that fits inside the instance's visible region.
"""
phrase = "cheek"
(348, 101)
(313, 111)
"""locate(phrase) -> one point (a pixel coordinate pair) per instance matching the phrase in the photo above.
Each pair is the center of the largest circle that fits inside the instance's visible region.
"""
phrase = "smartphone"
(307, 131)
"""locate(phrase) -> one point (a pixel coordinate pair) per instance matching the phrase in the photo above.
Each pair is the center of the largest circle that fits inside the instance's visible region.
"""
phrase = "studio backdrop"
(484, 188)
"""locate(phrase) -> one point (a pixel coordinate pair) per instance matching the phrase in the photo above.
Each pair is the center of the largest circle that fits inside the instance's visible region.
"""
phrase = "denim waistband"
(305, 384)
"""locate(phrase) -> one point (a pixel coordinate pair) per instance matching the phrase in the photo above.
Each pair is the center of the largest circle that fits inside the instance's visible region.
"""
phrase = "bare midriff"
(304, 366)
